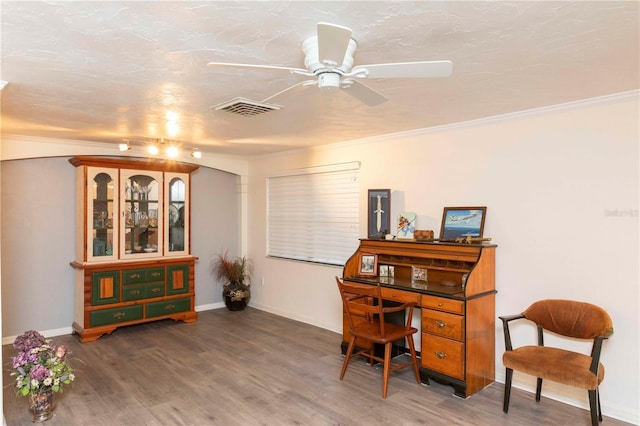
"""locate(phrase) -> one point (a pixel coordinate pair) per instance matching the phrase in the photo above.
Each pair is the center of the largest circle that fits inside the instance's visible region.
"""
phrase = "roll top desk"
(455, 291)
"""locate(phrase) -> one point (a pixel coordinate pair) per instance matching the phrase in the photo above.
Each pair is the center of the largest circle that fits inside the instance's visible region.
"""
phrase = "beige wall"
(561, 187)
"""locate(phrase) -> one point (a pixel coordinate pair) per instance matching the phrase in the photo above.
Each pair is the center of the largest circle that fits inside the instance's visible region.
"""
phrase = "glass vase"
(41, 405)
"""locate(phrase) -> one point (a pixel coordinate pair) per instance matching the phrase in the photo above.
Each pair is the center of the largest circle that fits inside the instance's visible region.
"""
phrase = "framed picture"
(462, 222)
(406, 226)
(379, 209)
(392, 271)
(383, 271)
(368, 264)
(418, 274)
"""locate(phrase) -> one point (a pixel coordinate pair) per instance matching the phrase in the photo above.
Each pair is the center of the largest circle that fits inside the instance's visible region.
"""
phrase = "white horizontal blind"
(314, 215)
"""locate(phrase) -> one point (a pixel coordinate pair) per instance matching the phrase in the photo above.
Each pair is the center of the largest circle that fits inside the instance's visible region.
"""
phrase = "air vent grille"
(246, 107)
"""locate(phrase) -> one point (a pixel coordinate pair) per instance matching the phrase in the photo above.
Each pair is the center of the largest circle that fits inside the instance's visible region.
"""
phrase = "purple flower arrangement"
(40, 364)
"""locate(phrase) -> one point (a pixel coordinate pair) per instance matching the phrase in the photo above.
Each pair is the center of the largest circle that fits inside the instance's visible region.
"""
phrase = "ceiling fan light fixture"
(153, 149)
(196, 153)
(329, 80)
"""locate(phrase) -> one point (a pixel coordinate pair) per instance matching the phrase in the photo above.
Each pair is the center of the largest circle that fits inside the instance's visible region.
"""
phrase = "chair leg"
(352, 343)
(538, 389)
(414, 358)
(507, 389)
(387, 365)
(593, 406)
(599, 407)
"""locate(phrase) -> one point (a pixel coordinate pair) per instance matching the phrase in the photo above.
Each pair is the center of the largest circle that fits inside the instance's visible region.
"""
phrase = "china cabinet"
(133, 260)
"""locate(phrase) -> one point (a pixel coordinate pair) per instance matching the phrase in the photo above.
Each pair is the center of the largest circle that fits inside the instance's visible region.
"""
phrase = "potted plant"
(236, 272)
(41, 369)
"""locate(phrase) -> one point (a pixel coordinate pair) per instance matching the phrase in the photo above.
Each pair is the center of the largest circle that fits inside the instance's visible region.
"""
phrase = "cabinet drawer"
(443, 324)
(168, 307)
(400, 295)
(142, 291)
(443, 355)
(116, 315)
(443, 304)
(133, 276)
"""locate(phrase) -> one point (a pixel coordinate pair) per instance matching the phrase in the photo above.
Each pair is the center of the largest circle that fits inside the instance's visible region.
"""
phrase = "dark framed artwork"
(379, 218)
(368, 265)
(462, 222)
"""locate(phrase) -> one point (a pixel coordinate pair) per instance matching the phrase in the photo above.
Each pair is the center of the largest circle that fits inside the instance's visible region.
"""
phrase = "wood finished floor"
(255, 368)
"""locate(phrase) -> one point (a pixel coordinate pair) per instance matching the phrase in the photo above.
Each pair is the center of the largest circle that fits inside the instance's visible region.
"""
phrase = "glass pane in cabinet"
(103, 211)
(141, 214)
(177, 199)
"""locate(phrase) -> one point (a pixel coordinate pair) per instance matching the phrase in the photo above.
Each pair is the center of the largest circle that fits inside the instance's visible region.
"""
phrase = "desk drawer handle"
(440, 324)
(440, 355)
(440, 305)
(118, 315)
(134, 276)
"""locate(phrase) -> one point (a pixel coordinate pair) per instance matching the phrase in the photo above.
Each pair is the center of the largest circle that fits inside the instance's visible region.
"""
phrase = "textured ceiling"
(106, 70)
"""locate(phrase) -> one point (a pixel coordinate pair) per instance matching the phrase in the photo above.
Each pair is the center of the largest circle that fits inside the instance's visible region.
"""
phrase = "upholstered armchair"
(568, 318)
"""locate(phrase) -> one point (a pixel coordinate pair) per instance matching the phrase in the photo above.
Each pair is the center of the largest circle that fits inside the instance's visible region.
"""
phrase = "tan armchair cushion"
(571, 318)
(569, 368)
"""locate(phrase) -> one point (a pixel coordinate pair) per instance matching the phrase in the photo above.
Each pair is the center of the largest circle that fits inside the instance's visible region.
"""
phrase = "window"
(313, 214)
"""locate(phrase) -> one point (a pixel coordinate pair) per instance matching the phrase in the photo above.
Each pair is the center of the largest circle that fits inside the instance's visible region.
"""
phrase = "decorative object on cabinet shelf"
(418, 274)
(368, 265)
(237, 274)
(458, 222)
(423, 235)
(406, 226)
(41, 370)
(379, 222)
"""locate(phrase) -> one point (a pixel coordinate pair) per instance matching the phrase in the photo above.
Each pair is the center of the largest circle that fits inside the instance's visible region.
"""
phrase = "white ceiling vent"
(246, 107)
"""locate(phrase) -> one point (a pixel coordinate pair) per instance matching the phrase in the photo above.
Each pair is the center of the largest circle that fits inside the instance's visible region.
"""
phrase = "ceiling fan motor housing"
(329, 80)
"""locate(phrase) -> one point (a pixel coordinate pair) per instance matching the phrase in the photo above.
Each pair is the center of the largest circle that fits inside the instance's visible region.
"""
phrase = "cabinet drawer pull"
(134, 276)
(118, 315)
(155, 274)
(439, 305)
(440, 324)
(440, 355)
(155, 290)
(169, 307)
(134, 292)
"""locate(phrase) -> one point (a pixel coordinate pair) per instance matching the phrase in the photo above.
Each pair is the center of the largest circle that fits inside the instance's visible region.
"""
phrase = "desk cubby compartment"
(116, 315)
(457, 306)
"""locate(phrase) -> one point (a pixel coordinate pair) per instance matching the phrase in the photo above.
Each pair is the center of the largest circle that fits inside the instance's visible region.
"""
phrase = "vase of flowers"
(236, 272)
(41, 370)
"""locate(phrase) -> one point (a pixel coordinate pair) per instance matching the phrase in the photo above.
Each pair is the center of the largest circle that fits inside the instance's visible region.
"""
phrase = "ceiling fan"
(329, 58)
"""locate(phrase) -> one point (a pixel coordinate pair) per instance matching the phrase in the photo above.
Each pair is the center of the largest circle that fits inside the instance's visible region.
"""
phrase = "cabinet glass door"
(141, 205)
(102, 219)
(177, 216)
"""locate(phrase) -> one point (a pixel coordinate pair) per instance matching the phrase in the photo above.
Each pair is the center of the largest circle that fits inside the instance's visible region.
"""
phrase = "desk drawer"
(400, 295)
(443, 324)
(443, 304)
(443, 355)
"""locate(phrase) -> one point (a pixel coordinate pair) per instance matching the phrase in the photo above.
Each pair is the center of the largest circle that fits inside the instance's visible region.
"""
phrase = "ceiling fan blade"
(290, 88)
(363, 93)
(271, 67)
(406, 69)
(333, 41)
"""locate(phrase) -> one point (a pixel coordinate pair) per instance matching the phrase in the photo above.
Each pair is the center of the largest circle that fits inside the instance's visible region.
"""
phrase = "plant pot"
(41, 405)
(236, 296)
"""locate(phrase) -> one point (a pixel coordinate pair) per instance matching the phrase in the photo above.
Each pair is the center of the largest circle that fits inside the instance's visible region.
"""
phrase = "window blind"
(313, 214)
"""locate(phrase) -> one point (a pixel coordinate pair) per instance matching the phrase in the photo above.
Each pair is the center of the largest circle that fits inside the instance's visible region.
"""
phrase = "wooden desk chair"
(365, 314)
(567, 318)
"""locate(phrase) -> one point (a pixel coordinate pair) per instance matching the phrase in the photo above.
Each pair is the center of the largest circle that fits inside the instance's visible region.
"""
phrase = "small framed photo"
(379, 213)
(462, 222)
(418, 274)
(383, 271)
(368, 264)
(392, 271)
